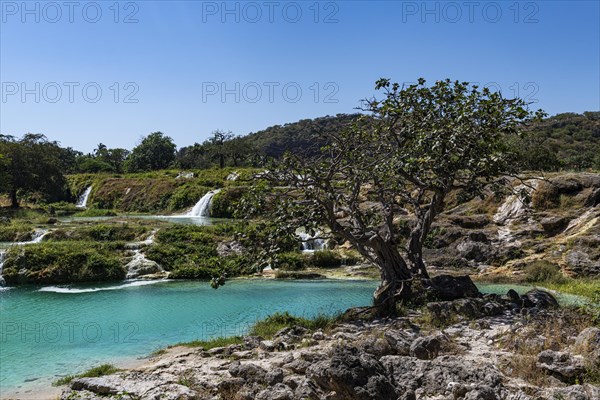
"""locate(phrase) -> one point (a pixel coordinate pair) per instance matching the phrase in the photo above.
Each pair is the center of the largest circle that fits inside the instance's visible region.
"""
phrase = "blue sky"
(89, 72)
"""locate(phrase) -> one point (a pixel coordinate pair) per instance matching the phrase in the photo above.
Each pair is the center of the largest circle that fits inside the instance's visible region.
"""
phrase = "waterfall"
(202, 207)
(233, 176)
(310, 243)
(37, 237)
(82, 201)
(2, 258)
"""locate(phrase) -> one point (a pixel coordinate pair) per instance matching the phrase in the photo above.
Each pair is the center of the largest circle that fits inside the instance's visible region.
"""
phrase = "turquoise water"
(563, 299)
(54, 331)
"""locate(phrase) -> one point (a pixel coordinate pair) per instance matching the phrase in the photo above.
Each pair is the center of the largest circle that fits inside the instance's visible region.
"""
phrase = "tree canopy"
(31, 165)
(415, 145)
(155, 151)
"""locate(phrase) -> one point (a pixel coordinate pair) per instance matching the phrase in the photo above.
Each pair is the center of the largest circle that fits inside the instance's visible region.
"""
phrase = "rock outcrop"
(382, 359)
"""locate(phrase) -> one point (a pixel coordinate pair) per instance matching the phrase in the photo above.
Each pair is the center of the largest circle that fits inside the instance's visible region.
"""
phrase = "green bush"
(64, 262)
(183, 247)
(326, 259)
(290, 261)
(225, 202)
(16, 231)
(273, 323)
(543, 271)
(102, 233)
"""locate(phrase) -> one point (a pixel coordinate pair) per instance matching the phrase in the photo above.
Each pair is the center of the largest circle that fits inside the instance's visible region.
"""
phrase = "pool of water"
(563, 299)
(52, 331)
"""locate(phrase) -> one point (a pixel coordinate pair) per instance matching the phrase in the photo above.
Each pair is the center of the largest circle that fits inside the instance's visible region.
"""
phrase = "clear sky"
(87, 72)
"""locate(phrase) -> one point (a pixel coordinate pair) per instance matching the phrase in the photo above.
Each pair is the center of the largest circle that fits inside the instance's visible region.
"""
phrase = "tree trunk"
(420, 232)
(415, 255)
(14, 202)
(395, 278)
(221, 161)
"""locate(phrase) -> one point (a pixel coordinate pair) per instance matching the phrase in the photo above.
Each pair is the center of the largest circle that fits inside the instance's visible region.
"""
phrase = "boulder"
(400, 341)
(229, 248)
(252, 342)
(426, 347)
(277, 392)
(351, 374)
(580, 263)
(587, 343)
(274, 376)
(593, 199)
(482, 393)
(140, 266)
(448, 287)
(554, 225)
(434, 377)
(474, 250)
(101, 385)
(540, 299)
(249, 372)
(561, 365)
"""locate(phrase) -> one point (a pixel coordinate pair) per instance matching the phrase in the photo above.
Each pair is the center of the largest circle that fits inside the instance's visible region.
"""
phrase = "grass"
(543, 333)
(267, 327)
(211, 343)
(586, 287)
(101, 370)
(93, 212)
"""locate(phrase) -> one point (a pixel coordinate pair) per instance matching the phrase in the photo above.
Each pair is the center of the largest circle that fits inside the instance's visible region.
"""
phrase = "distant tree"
(113, 157)
(155, 151)
(31, 164)
(218, 146)
(91, 165)
(416, 145)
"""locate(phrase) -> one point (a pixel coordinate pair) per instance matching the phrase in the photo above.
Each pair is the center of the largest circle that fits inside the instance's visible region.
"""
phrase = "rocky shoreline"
(482, 352)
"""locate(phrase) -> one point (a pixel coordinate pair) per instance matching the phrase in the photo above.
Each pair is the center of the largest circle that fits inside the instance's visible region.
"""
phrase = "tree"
(32, 164)
(415, 145)
(155, 151)
(113, 157)
(218, 145)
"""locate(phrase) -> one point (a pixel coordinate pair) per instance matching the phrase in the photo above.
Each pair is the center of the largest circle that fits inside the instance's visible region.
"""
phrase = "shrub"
(64, 262)
(326, 259)
(290, 261)
(543, 271)
(15, 232)
(101, 370)
(267, 327)
(225, 202)
(101, 233)
(545, 196)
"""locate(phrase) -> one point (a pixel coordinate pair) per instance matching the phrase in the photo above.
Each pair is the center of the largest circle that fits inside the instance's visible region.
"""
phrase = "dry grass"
(542, 332)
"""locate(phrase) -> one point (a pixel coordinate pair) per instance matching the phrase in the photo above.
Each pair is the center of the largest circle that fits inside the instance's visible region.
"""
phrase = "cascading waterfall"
(310, 244)
(202, 207)
(37, 237)
(82, 201)
(2, 258)
(139, 264)
(233, 176)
